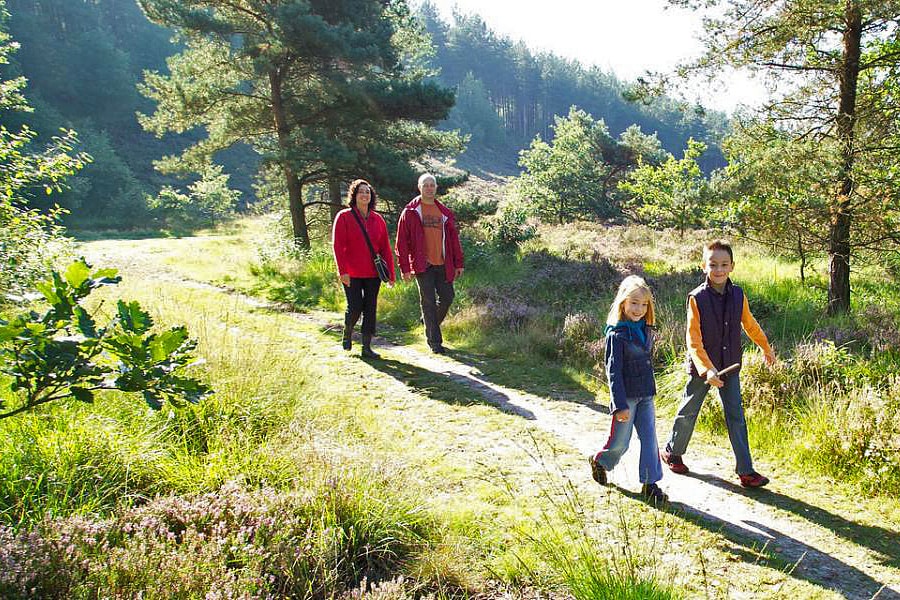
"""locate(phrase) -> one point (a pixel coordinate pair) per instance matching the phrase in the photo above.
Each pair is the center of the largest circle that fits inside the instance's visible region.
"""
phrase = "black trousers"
(435, 296)
(362, 299)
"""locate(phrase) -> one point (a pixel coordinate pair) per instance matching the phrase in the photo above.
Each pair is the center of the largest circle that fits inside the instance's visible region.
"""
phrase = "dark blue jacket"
(629, 367)
(720, 324)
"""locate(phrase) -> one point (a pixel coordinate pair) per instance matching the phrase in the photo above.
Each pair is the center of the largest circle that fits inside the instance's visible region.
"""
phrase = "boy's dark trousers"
(435, 296)
(730, 394)
(362, 299)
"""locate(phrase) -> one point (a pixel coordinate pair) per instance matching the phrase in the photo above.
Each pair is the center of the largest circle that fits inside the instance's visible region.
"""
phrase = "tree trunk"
(839, 232)
(294, 187)
(334, 196)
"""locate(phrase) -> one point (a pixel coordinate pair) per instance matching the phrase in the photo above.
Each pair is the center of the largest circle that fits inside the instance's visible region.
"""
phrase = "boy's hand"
(770, 359)
(622, 415)
(712, 378)
(345, 279)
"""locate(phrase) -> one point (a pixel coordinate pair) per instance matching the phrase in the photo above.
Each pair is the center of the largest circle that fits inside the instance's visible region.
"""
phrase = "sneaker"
(653, 495)
(597, 470)
(674, 462)
(753, 480)
(439, 349)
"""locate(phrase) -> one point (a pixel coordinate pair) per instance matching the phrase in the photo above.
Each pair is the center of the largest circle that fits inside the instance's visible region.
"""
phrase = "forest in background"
(84, 60)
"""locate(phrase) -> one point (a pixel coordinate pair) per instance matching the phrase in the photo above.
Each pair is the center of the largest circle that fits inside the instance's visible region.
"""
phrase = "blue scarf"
(635, 327)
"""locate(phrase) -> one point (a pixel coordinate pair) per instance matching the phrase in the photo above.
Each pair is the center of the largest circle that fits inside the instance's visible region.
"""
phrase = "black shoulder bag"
(380, 266)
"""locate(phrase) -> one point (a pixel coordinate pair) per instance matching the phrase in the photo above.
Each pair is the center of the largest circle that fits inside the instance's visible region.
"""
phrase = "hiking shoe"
(597, 470)
(753, 480)
(653, 495)
(674, 462)
(367, 352)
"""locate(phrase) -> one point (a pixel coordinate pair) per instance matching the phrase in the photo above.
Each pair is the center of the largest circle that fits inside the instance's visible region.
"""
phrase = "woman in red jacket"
(355, 266)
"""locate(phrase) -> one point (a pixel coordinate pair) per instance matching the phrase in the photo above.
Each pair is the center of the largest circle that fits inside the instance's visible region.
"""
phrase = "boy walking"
(716, 312)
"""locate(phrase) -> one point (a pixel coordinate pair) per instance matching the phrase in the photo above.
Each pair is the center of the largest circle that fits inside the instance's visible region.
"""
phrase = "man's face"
(428, 189)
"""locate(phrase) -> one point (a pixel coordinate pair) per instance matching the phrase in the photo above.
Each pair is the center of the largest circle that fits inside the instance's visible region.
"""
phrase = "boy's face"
(718, 266)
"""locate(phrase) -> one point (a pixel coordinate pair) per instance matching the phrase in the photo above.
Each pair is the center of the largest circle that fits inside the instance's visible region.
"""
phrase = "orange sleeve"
(754, 331)
(694, 339)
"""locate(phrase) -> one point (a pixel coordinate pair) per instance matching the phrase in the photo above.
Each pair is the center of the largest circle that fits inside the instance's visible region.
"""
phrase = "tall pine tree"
(318, 87)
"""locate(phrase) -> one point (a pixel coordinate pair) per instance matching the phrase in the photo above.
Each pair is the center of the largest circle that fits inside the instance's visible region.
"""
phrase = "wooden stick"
(728, 369)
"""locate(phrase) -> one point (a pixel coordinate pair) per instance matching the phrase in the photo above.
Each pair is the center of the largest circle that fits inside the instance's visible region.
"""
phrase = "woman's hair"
(631, 285)
(351, 193)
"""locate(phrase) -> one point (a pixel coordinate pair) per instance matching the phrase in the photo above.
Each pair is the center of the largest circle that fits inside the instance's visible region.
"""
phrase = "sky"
(625, 37)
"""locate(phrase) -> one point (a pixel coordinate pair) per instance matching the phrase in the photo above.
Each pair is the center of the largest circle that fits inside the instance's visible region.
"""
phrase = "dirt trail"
(857, 561)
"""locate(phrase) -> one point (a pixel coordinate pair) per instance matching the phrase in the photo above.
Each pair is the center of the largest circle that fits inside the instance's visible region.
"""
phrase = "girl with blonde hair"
(632, 387)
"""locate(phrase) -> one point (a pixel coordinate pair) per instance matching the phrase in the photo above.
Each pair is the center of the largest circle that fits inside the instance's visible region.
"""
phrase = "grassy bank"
(308, 474)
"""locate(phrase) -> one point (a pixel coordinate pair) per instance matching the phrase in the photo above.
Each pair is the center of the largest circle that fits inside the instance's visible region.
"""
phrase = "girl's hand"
(622, 415)
(345, 279)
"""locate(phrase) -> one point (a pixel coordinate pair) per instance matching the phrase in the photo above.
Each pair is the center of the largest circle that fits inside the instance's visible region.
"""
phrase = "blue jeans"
(730, 394)
(643, 418)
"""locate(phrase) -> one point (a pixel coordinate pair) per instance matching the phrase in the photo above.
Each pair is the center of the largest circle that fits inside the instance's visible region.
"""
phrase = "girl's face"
(636, 305)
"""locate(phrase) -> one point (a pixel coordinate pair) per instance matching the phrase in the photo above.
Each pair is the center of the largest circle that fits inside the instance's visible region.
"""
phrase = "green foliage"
(474, 113)
(832, 69)
(209, 200)
(576, 175)
(27, 237)
(671, 194)
(318, 89)
(65, 353)
(509, 228)
(469, 207)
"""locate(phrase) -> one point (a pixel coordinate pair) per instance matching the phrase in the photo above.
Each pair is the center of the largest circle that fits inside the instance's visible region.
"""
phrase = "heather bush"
(322, 541)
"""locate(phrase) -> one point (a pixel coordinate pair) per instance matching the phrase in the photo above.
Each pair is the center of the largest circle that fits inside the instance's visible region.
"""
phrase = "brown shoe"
(597, 470)
(674, 462)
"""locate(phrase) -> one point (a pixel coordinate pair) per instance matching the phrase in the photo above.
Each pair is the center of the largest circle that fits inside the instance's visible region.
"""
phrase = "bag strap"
(365, 233)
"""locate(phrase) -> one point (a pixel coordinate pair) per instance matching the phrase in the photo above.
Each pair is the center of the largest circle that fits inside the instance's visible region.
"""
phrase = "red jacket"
(350, 250)
(411, 240)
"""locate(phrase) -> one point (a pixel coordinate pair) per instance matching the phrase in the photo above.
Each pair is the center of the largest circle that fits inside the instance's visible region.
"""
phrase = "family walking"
(428, 248)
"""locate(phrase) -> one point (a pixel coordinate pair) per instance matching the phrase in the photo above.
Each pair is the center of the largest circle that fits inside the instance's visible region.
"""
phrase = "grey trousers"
(435, 296)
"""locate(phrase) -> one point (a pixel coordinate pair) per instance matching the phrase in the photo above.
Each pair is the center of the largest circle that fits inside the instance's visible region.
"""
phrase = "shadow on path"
(759, 543)
(560, 387)
(452, 388)
(884, 542)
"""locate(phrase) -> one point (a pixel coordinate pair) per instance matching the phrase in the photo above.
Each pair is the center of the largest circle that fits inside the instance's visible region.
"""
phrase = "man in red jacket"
(428, 246)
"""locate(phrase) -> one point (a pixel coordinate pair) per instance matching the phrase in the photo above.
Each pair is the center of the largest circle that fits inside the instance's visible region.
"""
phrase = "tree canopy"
(832, 67)
(318, 88)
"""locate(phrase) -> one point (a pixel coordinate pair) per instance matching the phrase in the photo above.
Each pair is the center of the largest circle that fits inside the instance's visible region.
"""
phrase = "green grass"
(295, 417)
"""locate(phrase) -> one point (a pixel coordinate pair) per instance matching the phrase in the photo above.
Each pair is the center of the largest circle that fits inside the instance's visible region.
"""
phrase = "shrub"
(207, 201)
(581, 340)
(509, 228)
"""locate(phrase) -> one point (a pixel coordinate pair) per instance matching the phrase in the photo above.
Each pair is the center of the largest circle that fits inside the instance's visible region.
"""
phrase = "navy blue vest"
(720, 324)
